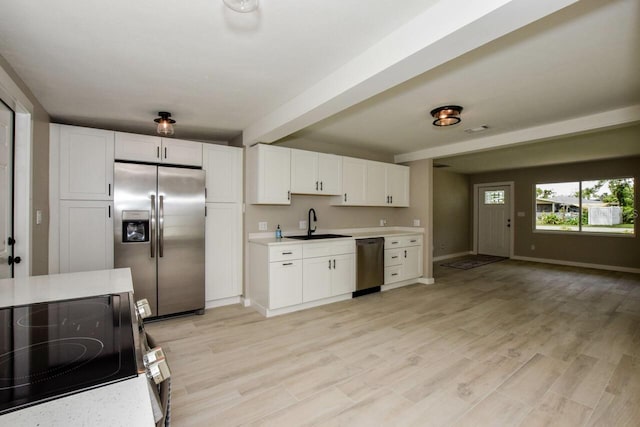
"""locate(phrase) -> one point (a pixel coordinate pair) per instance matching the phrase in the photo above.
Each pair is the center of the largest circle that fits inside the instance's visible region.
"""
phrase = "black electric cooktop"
(49, 350)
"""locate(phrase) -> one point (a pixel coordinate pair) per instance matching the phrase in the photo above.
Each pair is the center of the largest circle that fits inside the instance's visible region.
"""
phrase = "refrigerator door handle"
(152, 234)
(161, 221)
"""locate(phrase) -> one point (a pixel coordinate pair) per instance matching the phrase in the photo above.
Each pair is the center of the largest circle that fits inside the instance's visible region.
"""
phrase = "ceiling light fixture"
(242, 6)
(165, 123)
(446, 116)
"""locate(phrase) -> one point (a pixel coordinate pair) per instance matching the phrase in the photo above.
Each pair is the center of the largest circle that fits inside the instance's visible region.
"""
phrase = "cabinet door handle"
(394, 257)
(288, 195)
(320, 185)
(287, 263)
(391, 199)
(109, 211)
(329, 264)
(165, 152)
(345, 197)
(394, 243)
(394, 274)
(334, 264)
(413, 241)
(287, 253)
(405, 253)
(158, 152)
(316, 185)
(109, 189)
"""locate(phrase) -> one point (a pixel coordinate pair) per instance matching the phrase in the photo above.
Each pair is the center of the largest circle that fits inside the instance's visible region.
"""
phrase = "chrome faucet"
(309, 230)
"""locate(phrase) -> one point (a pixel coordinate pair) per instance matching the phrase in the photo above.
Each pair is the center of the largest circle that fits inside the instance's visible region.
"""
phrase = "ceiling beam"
(441, 33)
(593, 122)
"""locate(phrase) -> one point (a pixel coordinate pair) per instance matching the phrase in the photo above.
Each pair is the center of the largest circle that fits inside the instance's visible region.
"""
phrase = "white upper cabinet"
(270, 182)
(86, 163)
(376, 187)
(397, 185)
(315, 173)
(153, 149)
(354, 178)
(181, 152)
(223, 166)
(140, 148)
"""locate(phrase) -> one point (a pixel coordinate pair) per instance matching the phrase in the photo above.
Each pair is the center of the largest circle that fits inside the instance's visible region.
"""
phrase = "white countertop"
(55, 287)
(353, 233)
(123, 403)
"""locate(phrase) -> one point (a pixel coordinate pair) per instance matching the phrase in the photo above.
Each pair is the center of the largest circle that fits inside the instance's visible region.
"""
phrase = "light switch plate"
(416, 223)
(38, 216)
(302, 225)
(520, 214)
(263, 226)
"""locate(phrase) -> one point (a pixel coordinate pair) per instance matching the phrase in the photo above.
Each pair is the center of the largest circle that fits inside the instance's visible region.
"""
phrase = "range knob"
(153, 355)
(143, 308)
(158, 371)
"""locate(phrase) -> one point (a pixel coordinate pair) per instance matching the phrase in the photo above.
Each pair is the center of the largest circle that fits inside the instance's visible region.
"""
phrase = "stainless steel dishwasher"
(370, 265)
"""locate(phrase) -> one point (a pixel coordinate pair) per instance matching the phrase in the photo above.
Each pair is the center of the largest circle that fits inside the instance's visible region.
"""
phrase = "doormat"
(473, 261)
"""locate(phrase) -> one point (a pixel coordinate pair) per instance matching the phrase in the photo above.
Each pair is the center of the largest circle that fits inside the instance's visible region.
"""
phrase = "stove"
(53, 349)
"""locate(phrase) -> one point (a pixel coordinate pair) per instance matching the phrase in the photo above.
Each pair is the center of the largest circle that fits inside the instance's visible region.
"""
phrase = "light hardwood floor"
(506, 344)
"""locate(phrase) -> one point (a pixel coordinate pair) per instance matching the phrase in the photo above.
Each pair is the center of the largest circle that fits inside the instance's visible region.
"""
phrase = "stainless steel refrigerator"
(159, 233)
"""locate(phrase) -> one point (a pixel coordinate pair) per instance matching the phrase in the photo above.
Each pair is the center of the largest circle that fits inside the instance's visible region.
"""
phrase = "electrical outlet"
(416, 223)
(263, 226)
(533, 247)
(302, 225)
(38, 216)
(383, 222)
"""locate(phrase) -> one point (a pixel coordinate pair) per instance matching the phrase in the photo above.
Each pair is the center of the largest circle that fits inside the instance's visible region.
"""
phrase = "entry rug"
(473, 261)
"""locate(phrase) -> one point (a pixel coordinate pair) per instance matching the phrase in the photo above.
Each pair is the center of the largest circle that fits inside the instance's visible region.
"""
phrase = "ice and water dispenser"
(135, 226)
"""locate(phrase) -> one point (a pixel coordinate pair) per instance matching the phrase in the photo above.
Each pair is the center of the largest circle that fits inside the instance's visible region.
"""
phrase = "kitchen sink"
(317, 236)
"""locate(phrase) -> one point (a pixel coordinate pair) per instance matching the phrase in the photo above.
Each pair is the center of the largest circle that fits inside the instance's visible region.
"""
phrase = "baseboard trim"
(449, 256)
(426, 280)
(579, 264)
(222, 302)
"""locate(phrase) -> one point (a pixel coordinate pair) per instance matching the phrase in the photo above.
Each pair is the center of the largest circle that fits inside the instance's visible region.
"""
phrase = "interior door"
(494, 220)
(6, 190)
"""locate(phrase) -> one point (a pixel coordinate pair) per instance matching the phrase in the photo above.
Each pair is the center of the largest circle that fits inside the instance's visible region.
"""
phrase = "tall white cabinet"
(223, 241)
(82, 199)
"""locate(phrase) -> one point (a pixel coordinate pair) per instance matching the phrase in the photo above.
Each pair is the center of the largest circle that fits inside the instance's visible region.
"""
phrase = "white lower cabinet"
(285, 283)
(326, 277)
(287, 275)
(86, 235)
(223, 251)
(316, 278)
(402, 258)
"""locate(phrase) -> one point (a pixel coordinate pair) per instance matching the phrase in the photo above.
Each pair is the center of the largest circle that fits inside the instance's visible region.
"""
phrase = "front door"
(494, 220)
(6, 190)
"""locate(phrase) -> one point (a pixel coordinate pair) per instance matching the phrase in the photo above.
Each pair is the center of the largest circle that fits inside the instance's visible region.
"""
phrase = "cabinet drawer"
(313, 250)
(402, 241)
(411, 241)
(392, 274)
(392, 257)
(283, 253)
(392, 242)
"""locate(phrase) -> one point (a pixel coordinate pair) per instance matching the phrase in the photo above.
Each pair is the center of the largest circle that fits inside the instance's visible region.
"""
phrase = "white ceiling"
(115, 64)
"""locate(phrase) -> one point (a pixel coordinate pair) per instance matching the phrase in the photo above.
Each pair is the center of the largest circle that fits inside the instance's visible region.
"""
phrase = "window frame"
(580, 231)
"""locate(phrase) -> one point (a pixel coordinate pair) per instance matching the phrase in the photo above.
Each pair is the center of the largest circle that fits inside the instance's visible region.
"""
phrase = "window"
(599, 206)
(494, 197)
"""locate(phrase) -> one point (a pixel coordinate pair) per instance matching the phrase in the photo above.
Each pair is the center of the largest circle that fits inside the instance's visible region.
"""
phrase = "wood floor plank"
(503, 344)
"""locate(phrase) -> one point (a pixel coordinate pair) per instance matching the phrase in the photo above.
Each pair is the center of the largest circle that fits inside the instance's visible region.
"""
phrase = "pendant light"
(165, 124)
(242, 6)
(446, 116)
